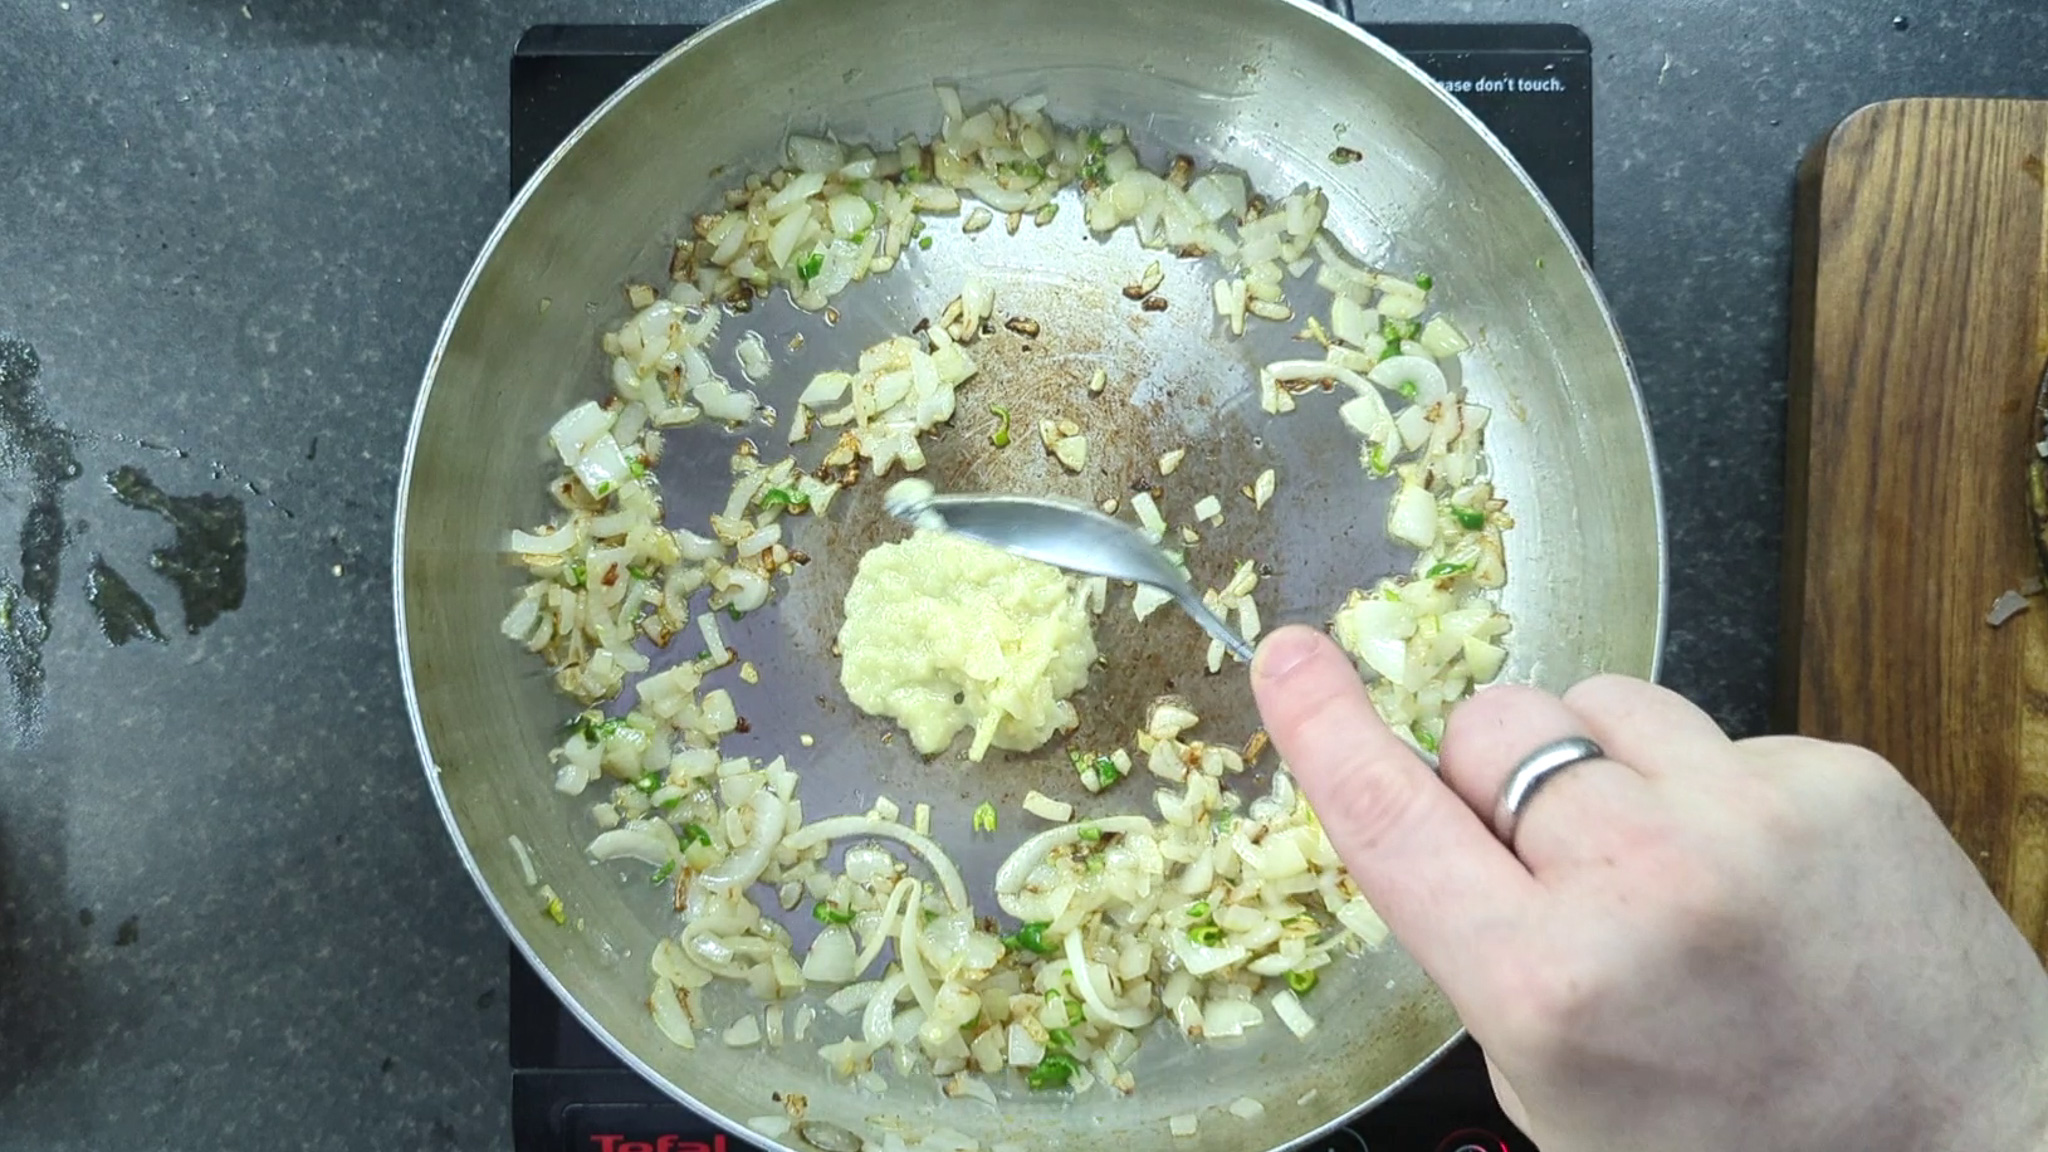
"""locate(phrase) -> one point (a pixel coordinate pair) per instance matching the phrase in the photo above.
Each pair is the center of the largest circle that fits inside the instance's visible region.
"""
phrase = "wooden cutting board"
(1919, 339)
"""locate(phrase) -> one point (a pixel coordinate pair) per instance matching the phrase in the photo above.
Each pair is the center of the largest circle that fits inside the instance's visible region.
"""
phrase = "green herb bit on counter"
(1302, 981)
(1001, 436)
(825, 913)
(985, 817)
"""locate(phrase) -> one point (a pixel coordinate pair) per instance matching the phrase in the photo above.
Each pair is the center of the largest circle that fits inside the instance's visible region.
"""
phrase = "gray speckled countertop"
(229, 916)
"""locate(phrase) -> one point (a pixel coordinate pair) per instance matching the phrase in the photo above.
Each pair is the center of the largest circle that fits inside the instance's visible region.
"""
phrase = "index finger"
(1424, 859)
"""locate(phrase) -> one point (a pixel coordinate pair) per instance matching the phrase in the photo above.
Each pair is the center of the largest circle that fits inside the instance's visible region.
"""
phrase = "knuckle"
(1541, 1005)
(1371, 805)
(1599, 692)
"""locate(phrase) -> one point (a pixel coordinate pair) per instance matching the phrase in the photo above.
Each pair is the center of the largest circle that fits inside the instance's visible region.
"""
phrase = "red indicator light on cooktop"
(1473, 1140)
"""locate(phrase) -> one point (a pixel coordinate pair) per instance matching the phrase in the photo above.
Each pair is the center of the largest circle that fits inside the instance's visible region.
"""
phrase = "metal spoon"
(1071, 536)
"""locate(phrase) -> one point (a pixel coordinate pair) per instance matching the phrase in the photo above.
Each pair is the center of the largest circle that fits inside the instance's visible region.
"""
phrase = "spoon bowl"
(1065, 535)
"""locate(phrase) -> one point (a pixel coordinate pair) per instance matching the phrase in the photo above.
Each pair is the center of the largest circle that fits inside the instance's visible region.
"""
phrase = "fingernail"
(1284, 651)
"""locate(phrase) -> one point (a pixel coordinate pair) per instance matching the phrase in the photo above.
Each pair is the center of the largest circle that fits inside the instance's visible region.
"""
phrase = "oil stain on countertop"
(34, 446)
(206, 560)
(122, 612)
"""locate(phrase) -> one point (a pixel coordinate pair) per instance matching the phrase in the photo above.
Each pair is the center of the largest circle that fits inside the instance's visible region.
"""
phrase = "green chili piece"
(1030, 938)
(1052, 1072)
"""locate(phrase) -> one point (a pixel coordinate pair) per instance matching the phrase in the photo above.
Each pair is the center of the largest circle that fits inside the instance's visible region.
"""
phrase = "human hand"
(1696, 944)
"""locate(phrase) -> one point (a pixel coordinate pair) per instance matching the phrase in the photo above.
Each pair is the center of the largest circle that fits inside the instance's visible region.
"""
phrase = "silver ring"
(1531, 774)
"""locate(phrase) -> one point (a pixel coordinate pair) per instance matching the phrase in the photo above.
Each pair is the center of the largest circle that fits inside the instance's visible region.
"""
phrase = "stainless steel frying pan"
(1269, 86)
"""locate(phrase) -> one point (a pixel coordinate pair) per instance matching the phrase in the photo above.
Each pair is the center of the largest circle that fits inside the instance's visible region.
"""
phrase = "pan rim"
(1332, 21)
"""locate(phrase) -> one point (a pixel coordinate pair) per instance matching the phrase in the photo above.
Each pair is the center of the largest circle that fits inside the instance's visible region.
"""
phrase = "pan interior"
(1435, 195)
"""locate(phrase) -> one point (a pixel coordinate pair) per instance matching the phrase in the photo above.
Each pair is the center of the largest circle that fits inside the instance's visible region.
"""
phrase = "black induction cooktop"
(1532, 84)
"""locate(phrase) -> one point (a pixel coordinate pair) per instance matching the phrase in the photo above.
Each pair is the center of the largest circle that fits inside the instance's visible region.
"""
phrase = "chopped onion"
(1148, 516)
(744, 867)
(1359, 916)
(525, 858)
(1441, 339)
(2008, 605)
(633, 843)
(1411, 518)
(1415, 377)
(1028, 855)
(840, 827)
(714, 639)
(830, 960)
(1227, 1019)
(853, 998)
(1082, 974)
(1045, 807)
(1288, 1007)
(744, 1032)
(1149, 599)
(665, 1005)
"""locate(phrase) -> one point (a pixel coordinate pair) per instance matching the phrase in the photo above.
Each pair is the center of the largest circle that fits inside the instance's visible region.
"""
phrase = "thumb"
(1427, 863)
